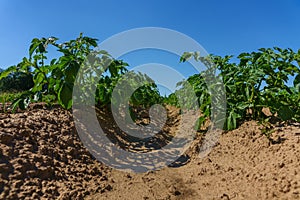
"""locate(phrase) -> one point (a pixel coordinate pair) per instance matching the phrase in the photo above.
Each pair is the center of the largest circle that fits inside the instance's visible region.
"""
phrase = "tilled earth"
(42, 157)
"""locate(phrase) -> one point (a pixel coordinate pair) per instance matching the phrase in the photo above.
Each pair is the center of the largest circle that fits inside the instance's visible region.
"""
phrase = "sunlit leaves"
(259, 80)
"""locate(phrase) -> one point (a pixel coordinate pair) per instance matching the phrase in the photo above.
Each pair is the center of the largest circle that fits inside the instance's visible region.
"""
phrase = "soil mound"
(41, 157)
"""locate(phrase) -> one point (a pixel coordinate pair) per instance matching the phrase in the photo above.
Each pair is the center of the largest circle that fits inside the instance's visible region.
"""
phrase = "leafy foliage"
(260, 80)
(53, 81)
(16, 82)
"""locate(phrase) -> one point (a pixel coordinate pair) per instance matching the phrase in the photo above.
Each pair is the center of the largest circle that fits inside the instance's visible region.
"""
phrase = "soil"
(42, 157)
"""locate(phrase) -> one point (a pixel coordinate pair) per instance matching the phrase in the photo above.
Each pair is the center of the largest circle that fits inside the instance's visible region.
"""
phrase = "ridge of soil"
(42, 157)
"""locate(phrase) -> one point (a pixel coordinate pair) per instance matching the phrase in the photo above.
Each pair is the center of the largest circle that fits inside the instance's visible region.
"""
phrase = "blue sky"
(221, 27)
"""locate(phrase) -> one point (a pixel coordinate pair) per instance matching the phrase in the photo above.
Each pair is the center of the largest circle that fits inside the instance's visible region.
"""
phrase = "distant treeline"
(16, 82)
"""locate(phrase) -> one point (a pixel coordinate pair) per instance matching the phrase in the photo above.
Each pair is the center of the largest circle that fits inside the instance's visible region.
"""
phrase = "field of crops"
(255, 100)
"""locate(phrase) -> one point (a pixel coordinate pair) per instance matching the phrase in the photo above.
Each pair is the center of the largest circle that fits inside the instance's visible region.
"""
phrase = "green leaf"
(71, 71)
(232, 120)
(8, 71)
(91, 41)
(200, 121)
(285, 113)
(243, 105)
(38, 79)
(65, 95)
(15, 104)
(113, 70)
(34, 44)
(41, 48)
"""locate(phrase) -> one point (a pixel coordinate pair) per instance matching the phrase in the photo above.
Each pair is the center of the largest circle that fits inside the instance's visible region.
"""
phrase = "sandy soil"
(244, 165)
(41, 157)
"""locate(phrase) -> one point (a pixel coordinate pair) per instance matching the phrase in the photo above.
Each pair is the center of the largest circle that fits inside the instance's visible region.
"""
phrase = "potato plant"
(53, 80)
(261, 79)
(268, 78)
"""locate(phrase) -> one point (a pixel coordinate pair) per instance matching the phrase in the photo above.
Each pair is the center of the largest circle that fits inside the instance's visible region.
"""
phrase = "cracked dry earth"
(41, 157)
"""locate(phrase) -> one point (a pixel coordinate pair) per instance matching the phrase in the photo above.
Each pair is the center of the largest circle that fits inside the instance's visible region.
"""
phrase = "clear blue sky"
(221, 27)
